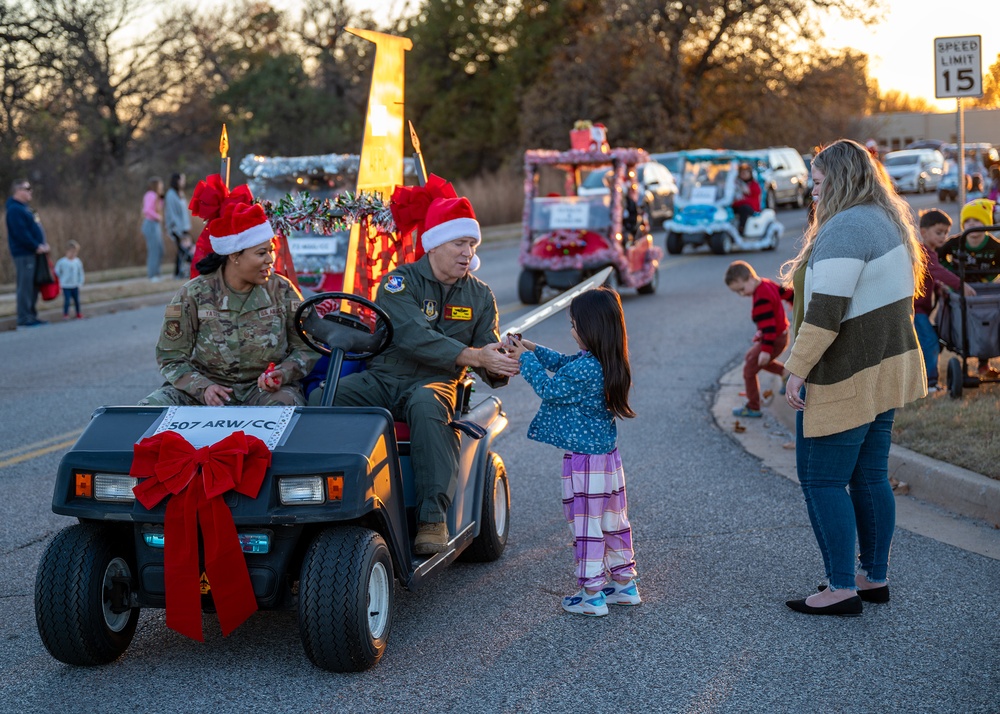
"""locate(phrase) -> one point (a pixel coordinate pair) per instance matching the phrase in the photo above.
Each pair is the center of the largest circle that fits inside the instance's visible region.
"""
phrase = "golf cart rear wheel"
(956, 377)
(675, 243)
(719, 243)
(346, 599)
(82, 594)
(494, 522)
(529, 287)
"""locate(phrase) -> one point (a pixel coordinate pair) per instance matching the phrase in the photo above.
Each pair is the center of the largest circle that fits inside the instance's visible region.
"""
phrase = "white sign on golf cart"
(569, 216)
(204, 426)
(958, 66)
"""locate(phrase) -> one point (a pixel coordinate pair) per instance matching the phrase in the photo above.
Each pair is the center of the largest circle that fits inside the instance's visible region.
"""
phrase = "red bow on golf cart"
(197, 479)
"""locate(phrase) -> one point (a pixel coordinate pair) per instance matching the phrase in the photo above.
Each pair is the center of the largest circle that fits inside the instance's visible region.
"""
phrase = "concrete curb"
(93, 309)
(957, 490)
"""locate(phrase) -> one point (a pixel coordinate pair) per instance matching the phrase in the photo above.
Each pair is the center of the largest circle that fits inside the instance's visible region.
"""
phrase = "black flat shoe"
(879, 595)
(850, 607)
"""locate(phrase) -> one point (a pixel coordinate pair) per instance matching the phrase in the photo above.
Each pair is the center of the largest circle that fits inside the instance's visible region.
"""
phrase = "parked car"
(807, 160)
(948, 186)
(925, 144)
(916, 170)
(657, 189)
(673, 160)
(979, 156)
(785, 176)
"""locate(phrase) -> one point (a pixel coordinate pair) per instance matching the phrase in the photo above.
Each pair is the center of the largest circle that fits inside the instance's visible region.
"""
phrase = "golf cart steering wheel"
(343, 331)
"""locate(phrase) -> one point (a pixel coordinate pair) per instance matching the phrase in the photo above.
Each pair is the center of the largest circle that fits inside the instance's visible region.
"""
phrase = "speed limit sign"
(958, 66)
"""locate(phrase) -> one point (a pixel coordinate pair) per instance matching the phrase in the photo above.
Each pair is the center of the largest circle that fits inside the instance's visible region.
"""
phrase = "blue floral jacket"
(574, 415)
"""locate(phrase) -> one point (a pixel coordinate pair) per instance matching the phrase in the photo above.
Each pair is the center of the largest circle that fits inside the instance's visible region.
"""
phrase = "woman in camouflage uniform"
(228, 336)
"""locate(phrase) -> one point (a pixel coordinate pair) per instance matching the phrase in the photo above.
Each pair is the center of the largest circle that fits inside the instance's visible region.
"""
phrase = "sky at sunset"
(900, 49)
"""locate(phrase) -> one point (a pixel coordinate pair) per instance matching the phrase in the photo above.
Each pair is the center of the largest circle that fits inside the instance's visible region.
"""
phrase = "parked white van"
(916, 170)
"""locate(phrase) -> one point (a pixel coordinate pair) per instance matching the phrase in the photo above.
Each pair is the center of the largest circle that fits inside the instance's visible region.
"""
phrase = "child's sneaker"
(583, 603)
(746, 412)
(616, 593)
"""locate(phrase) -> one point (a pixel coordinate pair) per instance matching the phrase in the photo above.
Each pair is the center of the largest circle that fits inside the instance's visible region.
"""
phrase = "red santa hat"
(449, 219)
(241, 225)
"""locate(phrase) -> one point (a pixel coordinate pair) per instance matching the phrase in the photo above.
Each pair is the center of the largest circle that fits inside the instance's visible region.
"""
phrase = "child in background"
(579, 404)
(982, 256)
(934, 227)
(771, 339)
(69, 270)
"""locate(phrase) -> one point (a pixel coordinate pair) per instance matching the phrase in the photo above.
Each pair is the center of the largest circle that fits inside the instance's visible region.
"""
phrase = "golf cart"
(329, 531)
(319, 258)
(703, 207)
(567, 238)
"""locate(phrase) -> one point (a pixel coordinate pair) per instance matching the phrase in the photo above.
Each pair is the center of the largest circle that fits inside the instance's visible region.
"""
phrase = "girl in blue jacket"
(579, 404)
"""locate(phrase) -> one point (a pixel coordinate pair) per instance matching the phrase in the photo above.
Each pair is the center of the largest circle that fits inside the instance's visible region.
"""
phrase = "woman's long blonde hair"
(851, 177)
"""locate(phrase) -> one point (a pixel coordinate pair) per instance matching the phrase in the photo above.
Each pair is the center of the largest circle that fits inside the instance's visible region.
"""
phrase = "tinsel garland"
(327, 216)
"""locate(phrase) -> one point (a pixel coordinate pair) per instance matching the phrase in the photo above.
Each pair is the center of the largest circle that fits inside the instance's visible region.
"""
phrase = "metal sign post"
(958, 72)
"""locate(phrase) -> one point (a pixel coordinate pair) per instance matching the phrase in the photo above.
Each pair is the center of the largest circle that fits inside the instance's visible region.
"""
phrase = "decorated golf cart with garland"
(229, 510)
(567, 238)
(296, 186)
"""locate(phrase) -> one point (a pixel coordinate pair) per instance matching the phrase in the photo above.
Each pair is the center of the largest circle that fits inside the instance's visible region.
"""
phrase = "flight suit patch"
(394, 284)
(430, 309)
(172, 329)
(457, 312)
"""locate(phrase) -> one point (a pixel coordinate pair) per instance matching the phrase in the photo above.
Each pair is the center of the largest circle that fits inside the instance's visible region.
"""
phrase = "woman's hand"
(270, 380)
(792, 388)
(217, 396)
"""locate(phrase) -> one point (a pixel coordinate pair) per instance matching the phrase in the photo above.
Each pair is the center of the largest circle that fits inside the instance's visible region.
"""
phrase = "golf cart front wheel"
(719, 243)
(83, 593)
(529, 287)
(675, 243)
(650, 287)
(346, 599)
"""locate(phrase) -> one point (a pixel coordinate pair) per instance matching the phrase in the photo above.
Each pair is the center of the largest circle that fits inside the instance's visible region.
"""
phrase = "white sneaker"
(583, 603)
(616, 593)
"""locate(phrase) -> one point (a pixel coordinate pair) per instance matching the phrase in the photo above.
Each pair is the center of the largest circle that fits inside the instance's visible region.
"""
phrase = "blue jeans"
(930, 347)
(845, 482)
(71, 295)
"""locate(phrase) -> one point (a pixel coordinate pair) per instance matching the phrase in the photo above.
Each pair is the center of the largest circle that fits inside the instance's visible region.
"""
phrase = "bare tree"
(686, 74)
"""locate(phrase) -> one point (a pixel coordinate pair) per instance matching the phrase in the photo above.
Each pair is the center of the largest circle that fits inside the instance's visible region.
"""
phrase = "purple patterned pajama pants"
(596, 509)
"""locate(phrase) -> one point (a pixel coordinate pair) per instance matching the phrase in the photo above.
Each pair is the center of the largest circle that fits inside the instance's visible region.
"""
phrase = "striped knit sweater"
(857, 346)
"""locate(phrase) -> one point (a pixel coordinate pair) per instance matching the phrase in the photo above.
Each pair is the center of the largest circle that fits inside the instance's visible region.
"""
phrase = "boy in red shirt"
(772, 329)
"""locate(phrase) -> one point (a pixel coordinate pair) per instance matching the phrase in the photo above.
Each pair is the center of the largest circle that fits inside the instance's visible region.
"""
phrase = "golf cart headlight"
(112, 487)
(721, 215)
(301, 489)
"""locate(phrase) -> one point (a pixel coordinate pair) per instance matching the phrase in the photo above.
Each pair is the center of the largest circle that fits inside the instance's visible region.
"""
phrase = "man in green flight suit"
(445, 321)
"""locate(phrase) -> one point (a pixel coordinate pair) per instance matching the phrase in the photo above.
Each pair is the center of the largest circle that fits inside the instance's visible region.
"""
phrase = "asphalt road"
(721, 543)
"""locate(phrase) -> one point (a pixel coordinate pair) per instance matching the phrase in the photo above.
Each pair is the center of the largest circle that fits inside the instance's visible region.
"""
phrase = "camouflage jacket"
(434, 322)
(211, 335)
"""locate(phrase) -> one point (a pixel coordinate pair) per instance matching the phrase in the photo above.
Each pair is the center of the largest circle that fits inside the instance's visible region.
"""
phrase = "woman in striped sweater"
(854, 361)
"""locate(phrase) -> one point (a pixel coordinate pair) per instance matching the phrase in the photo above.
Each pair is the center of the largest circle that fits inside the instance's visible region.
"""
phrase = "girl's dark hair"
(600, 324)
(210, 263)
(175, 182)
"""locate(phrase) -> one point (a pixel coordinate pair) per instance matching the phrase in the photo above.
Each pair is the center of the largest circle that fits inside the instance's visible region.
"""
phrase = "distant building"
(894, 131)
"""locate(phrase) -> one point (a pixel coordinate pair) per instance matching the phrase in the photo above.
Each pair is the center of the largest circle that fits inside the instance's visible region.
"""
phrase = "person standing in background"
(178, 224)
(152, 227)
(26, 240)
(69, 269)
